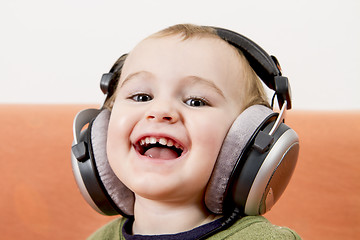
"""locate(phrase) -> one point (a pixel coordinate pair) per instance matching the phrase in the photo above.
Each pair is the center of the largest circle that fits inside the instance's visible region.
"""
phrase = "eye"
(197, 102)
(141, 97)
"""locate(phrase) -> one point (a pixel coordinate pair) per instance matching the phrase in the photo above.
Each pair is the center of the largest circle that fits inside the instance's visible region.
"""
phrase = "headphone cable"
(230, 220)
(272, 101)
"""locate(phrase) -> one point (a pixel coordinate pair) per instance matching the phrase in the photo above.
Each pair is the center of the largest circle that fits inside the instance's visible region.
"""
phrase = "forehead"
(197, 55)
(211, 44)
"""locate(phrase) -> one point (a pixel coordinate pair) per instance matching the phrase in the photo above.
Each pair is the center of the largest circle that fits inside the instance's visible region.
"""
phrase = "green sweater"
(250, 227)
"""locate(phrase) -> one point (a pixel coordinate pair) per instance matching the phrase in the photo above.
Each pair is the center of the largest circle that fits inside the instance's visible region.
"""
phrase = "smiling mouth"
(159, 148)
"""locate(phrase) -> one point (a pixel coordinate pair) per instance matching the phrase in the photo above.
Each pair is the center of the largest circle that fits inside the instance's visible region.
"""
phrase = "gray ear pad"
(119, 193)
(236, 140)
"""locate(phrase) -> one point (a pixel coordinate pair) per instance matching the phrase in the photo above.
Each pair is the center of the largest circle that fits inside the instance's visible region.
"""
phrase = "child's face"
(174, 92)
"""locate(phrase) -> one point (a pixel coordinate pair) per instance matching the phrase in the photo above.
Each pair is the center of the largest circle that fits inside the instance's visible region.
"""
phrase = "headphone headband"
(259, 60)
(266, 67)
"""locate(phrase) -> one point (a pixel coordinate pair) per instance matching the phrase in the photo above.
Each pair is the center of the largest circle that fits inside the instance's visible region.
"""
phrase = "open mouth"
(159, 148)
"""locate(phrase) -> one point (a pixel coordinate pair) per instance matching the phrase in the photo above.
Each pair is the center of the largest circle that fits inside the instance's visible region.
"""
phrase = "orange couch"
(39, 198)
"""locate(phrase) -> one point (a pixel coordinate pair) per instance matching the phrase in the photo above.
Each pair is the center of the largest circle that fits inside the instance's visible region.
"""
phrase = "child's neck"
(155, 217)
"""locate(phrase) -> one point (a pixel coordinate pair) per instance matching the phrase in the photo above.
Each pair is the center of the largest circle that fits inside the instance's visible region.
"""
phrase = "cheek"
(116, 133)
(122, 121)
(118, 143)
(207, 142)
(211, 134)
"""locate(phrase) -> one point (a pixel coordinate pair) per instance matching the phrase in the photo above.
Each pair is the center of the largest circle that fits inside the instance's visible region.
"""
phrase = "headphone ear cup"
(97, 182)
(260, 181)
(248, 176)
(238, 137)
(118, 192)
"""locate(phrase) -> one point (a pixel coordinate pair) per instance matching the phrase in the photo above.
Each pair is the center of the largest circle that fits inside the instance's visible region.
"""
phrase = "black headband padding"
(259, 60)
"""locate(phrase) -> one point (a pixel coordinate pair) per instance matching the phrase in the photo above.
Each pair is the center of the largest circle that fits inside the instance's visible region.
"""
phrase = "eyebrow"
(132, 75)
(209, 83)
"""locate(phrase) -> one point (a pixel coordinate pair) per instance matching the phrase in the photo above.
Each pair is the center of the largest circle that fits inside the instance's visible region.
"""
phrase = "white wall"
(55, 51)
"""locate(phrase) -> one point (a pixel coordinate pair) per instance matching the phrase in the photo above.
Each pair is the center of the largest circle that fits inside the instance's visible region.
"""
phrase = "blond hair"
(253, 93)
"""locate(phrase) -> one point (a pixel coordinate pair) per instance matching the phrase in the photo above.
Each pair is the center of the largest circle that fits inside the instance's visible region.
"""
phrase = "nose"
(163, 113)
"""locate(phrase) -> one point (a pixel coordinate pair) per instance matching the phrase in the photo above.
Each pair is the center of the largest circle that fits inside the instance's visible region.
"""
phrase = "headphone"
(254, 165)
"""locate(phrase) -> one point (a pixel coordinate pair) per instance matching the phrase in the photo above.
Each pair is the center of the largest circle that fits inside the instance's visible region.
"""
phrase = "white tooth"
(179, 146)
(147, 140)
(153, 140)
(163, 141)
(170, 143)
(142, 142)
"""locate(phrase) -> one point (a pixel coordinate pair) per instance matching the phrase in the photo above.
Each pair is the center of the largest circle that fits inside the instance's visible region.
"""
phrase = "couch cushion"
(40, 200)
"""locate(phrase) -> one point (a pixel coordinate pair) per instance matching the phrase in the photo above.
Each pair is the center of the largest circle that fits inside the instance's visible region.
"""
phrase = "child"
(177, 95)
